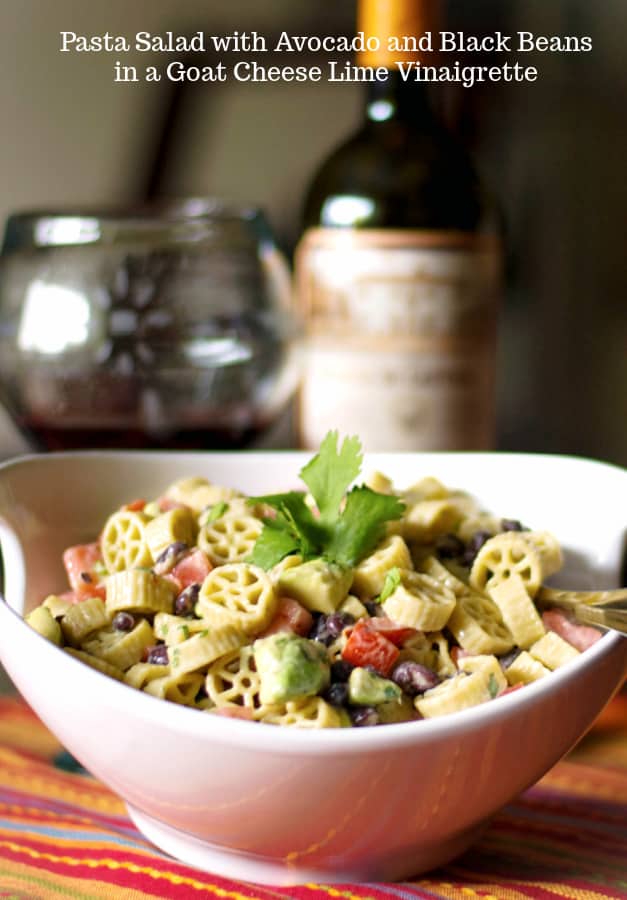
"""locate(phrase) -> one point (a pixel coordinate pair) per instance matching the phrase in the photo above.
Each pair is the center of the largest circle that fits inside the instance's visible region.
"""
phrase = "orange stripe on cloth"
(586, 780)
(566, 837)
(37, 778)
(111, 865)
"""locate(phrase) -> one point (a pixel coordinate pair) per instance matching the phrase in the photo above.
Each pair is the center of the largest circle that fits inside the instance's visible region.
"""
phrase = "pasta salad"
(328, 607)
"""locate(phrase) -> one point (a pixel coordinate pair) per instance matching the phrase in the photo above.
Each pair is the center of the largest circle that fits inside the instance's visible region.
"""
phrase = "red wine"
(44, 437)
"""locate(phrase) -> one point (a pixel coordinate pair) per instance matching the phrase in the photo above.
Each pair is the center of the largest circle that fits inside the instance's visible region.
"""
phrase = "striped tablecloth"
(63, 835)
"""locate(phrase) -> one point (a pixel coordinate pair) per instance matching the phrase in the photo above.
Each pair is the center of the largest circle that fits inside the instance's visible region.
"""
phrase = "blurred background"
(553, 152)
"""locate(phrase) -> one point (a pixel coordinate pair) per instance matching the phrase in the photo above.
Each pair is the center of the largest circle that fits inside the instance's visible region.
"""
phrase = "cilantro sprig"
(349, 523)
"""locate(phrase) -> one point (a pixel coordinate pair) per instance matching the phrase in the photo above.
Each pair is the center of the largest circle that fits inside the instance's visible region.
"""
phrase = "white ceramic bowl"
(279, 805)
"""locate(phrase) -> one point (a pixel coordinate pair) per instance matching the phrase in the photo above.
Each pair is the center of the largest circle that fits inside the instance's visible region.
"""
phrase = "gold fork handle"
(617, 599)
(605, 617)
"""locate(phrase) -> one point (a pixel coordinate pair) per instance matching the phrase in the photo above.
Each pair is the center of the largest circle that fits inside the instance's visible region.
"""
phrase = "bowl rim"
(329, 741)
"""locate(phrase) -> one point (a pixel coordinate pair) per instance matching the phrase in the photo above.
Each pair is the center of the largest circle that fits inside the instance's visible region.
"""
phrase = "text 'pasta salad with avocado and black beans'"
(336, 606)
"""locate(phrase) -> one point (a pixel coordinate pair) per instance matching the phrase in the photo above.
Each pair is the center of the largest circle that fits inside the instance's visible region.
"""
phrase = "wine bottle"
(397, 271)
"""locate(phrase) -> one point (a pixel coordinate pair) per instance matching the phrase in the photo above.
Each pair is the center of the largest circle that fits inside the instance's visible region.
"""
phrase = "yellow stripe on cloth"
(113, 864)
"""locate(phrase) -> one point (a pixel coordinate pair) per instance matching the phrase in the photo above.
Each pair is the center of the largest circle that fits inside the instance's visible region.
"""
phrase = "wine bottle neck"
(395, 99)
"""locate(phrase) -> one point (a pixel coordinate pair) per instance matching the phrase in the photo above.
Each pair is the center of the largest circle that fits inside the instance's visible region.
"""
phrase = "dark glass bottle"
(397, 275)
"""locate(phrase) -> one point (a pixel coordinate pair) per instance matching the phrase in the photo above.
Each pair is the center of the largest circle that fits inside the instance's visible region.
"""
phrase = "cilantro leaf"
(331, 472)
(361, 525)
(214, 513)
(273, 544)
(293, 514)
(493, 687)
(347, 527)
(392, 581)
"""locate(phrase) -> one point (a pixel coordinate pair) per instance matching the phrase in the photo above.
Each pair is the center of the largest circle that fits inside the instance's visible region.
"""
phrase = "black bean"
(374, 608)
(414, 678)
(341, 670)
(511, 525)
(157, 655)
(172, 555)
(337, 694)
(508, 658)
(478, 539)
(186, 601)
(327, 628)
(123, 621)
(449, 546)
(364, 715)
(475, 544)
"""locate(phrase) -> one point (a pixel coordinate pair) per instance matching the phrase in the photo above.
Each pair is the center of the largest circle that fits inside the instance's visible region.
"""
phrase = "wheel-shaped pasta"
(369, 575)
(177, 688)
(94, 663)
(490, 666)
(173, 526)
(525, 669)
(553, 651)
(82, 619)
(198, 493)
(139, 590)
(549, 549)
(430, 650)
(233, 681)
(503, 555)
(240, 594)
(420, 601)
(518, 611)
(139, 675)
(311, 712)
(229, 539)
(425, 521)
(121, 648)
(202, 649)
(454, 694)
(176, 629)
(123, 542)
(477, 625)
(477, 521)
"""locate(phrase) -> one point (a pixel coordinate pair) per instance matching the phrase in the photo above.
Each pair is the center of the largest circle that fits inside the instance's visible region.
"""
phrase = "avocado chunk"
(365, 688)
(290, 666)
(42, 620)
(320, 586)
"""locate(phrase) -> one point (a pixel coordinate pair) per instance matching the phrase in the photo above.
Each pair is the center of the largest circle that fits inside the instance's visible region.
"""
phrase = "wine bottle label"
(401, 337)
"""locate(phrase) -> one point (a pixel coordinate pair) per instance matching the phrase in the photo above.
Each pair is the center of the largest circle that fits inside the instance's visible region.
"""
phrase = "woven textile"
(64, 835)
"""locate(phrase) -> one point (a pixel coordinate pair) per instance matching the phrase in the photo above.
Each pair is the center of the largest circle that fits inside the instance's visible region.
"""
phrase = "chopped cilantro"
(214, 512)
(493, 685)
(392, 581)
(331, 472)
(347, 527)
(184, 631)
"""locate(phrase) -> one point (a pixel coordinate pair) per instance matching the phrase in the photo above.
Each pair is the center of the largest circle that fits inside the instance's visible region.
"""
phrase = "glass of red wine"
(161, 328)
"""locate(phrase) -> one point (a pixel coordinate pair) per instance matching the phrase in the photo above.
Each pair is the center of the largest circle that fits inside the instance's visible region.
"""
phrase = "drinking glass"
(170, 327)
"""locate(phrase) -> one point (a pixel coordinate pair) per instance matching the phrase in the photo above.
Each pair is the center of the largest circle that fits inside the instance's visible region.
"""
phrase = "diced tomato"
(290, 616)
(398, 634)
(165, 504)
(79, 564)
(234, 712)
(579, 636)
(458, 653)
(512, 688)
(135, 505)
(368, 647)
(192, 568)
